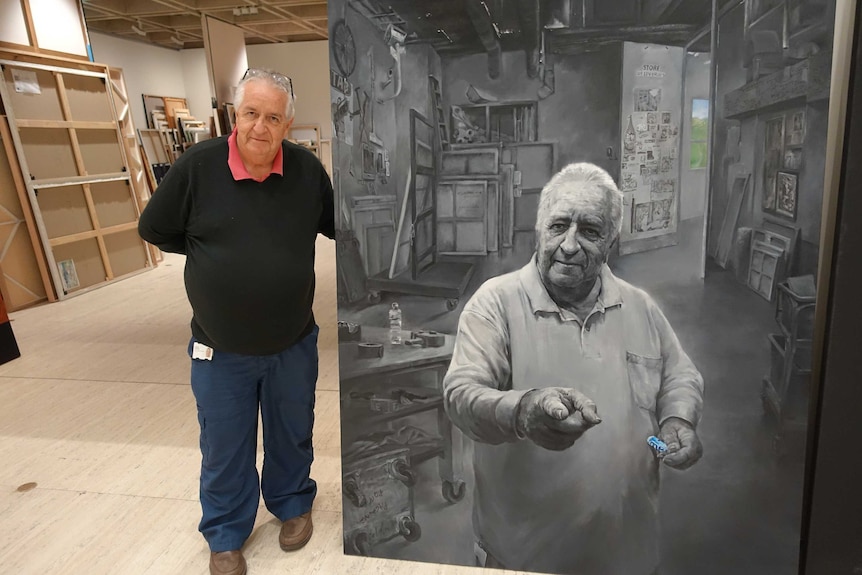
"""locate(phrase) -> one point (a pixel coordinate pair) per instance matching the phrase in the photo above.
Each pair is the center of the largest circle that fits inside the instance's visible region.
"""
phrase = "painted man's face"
(574, 238)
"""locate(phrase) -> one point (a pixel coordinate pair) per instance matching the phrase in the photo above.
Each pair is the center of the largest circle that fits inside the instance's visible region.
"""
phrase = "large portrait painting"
(566, 344)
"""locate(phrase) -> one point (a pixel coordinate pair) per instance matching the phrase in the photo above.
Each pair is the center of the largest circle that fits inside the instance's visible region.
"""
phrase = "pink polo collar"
(237, 168)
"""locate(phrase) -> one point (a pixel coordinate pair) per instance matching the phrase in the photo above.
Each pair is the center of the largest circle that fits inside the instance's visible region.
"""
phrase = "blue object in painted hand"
(657, 444)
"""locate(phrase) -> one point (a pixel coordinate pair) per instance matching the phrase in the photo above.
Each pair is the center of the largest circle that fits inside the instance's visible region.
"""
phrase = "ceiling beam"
(288, 13)
(656, 11)
(675, 32)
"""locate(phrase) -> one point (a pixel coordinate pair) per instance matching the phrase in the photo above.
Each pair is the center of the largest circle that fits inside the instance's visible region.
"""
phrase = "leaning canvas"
(577, 244)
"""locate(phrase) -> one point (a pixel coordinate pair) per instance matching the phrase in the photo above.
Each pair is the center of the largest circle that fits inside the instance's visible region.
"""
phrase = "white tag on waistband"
(200, 351)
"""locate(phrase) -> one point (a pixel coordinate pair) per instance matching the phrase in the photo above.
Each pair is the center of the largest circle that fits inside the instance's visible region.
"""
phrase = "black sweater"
(249, 245)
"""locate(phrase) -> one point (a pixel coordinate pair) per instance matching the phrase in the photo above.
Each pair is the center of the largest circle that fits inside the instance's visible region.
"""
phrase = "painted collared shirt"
(237, 168)
(592, 508)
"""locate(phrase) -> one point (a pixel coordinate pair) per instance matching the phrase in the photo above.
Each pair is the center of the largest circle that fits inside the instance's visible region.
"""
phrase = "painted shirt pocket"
(644, 378)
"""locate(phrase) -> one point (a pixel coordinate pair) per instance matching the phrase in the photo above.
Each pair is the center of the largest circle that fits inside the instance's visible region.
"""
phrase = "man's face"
(260, 121)
(574, 237)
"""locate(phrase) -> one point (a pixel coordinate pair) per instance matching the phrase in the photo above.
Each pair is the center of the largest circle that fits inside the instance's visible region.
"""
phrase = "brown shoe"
(227, 563)
(295, 532)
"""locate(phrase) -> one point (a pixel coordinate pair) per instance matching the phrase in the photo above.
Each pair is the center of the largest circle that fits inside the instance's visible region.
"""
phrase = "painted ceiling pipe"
(481, 18)
(395, 38)
(530, 13)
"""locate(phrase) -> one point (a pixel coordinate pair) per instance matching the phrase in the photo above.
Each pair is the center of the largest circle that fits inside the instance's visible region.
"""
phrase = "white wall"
(147, 69)
(157, 71)
(150, 69)
(307, 64)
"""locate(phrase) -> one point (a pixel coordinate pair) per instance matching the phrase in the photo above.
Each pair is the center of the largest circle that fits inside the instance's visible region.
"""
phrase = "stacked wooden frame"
(70, 145)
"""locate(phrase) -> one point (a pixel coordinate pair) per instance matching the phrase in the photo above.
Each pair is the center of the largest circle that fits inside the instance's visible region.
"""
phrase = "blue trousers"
(230, 389)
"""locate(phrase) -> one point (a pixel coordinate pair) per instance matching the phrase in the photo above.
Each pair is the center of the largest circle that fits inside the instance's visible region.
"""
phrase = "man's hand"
(683, 446)
(555, 417)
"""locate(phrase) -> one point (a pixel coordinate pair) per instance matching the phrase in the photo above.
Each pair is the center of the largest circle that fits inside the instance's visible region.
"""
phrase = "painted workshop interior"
(450, 116)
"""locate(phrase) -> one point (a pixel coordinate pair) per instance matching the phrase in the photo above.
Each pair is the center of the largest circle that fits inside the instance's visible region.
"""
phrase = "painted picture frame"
(415, 478)
(786, 193)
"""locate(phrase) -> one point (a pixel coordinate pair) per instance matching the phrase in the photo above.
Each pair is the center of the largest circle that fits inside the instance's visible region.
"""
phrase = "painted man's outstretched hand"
(555, 417)
(683, 446)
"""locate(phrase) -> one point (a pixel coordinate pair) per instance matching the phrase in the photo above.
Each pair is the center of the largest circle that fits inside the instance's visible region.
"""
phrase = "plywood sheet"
(114, 203)
(64, 211)
(88, 98)
(87, 259)
(101, 151)
(6, 231)
(10, 205)
(24, 270)
(48, 152)
(20, 267)
(44, 106)
(126, 252)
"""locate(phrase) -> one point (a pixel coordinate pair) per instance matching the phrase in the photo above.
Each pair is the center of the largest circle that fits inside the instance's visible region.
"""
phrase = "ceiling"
(450, 26)
(564, 26)
(176, 24)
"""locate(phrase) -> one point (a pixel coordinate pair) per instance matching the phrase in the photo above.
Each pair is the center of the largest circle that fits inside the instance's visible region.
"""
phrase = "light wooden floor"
(98, 414)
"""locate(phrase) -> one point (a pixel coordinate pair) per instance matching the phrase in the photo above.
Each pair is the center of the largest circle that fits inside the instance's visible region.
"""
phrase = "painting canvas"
(679, 433)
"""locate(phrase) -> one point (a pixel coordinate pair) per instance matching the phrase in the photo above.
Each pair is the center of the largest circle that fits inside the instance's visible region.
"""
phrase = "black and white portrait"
(564, 345)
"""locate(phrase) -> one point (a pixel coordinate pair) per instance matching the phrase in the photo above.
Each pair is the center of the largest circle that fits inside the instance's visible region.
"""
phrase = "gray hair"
(273, 78)
(590, 176)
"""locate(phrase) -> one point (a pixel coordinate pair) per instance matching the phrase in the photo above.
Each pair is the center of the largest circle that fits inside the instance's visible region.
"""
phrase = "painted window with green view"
(699, 133)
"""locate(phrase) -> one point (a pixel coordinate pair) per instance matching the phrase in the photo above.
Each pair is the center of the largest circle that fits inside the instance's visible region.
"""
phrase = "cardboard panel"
(11, 205)
(48, 152)
(88, 98)
(101, 151)
(64, 211)
(114, 203)
(19, 264)
(87, 263)
(126, 251)
(42, 106)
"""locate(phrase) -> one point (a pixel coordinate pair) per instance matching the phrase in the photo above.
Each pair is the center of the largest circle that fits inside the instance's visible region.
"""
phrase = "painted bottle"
(395, 324)
(630, 139)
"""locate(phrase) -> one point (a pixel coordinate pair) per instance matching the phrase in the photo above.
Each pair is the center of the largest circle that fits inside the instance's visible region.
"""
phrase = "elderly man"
(561, 371)
(246, 210)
